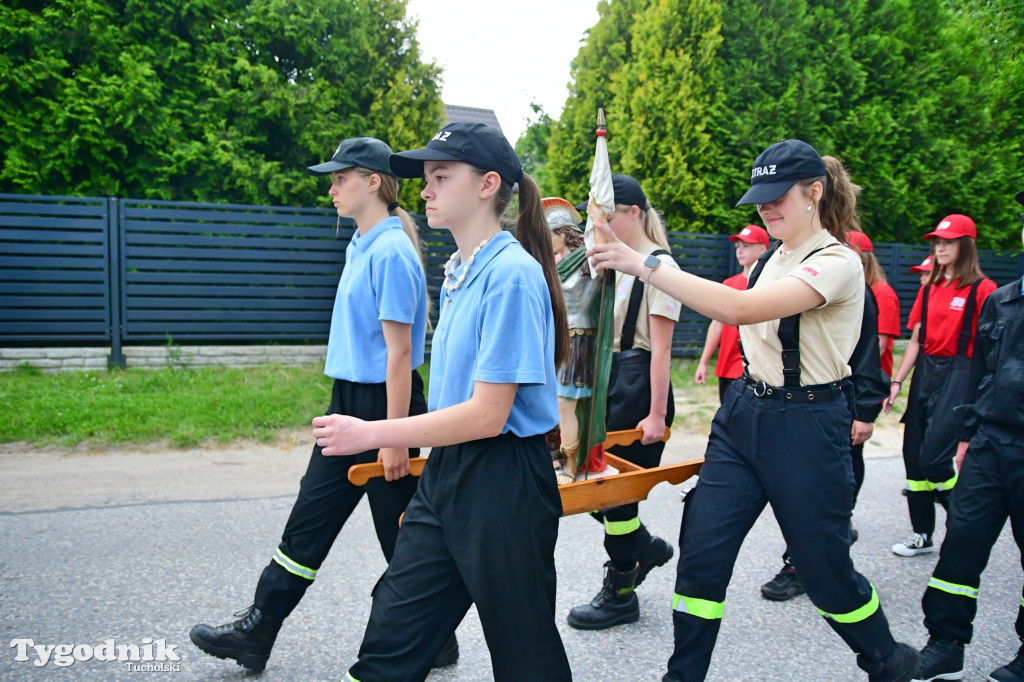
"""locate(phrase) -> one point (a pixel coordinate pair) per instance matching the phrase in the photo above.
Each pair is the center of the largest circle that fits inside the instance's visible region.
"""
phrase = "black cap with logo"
(628, 192)
(473, 143)
(778, 168)
(364, 152)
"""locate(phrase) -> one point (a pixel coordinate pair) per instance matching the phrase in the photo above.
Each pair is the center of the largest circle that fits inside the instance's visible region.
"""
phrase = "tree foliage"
(532, 146)
(920, 98)
(210, 100)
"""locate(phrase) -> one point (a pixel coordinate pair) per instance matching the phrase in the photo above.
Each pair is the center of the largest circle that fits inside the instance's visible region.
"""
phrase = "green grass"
(183, 407)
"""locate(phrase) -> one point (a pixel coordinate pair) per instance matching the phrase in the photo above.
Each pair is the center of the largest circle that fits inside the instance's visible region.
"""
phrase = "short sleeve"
(915, 313)
(831, 272)
(888, 311)
(514, 326)
(660, 303)
(398, 285)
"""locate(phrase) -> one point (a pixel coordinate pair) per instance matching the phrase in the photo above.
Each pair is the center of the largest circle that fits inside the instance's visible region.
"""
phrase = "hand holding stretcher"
(631, 484)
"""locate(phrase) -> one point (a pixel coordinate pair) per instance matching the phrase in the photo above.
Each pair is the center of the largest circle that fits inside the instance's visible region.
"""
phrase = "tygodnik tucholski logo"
(149, 656)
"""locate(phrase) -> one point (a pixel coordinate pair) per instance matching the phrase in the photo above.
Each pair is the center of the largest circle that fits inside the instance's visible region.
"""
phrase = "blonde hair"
(388, 194)
(654, 229)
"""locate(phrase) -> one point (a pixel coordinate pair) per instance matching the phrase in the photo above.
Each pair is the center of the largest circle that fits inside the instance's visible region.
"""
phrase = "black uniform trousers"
(929, 434)
(327, 498)
(481, 529)
(629, 403)
(990, 489)
(797, 457)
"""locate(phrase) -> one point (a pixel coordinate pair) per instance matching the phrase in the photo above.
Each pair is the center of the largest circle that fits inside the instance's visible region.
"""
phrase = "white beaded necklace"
(449, 267)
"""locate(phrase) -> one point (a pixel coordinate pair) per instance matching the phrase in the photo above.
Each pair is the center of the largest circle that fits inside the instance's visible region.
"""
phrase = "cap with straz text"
(751, 234)
(473, 143)
(954, 226)
(778, 168)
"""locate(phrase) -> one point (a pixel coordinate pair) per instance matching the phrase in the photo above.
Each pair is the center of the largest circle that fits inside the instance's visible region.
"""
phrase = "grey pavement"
(128, 573)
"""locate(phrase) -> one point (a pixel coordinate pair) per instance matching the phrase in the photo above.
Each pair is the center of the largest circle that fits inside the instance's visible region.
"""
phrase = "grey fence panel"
(228, 273)
(54, 270)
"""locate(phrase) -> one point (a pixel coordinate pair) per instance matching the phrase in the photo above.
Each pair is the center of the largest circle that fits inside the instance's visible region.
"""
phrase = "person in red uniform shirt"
(924, 270)
(941, 346)
(885, 296)
(751, 242)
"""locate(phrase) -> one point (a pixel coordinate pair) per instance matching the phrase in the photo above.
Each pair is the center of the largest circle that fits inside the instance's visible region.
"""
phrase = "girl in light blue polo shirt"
(483, 523)
(376, 344)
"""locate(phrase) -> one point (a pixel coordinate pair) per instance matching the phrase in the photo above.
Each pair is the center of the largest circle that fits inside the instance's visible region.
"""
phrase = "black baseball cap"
(473, 143)
(1019, 196)
(364, 152)
(628, 192)
(778, 168)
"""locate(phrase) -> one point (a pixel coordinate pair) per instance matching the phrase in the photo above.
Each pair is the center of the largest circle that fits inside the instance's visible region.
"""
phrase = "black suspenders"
(633, 310)
(789, 327)
(964, 342)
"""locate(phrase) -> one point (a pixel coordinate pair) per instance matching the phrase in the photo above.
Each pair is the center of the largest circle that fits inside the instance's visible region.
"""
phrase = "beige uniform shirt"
(828, 333)
(654, 302)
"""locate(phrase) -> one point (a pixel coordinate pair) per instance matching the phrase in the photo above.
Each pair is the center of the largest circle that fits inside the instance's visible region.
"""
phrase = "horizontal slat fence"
(54, 270)
(96, 271)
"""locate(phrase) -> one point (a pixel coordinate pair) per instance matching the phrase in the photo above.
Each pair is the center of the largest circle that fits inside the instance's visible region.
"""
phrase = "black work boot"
(615, 604)
(901, 666)
(941, 659)
(1012, 671)
(248, 640)
(449, 654)
(656, 553)
(785, 585)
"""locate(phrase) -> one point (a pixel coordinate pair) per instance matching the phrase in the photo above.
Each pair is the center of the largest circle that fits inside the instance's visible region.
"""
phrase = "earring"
(811, 207)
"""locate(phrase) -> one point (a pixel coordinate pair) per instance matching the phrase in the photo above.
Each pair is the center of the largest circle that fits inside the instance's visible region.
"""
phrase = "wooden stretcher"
(631, 484)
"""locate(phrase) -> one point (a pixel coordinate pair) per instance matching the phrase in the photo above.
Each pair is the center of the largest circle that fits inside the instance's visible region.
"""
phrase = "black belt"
(802, 394)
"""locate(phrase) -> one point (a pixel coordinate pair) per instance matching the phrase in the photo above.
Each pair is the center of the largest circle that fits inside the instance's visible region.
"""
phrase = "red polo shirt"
(945, 316)
(888, 319)
(730, 363)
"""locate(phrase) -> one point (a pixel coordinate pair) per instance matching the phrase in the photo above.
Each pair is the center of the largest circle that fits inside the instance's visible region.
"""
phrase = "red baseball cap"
(954, 226)
(751, 234)
(859, 241)
(925, 266)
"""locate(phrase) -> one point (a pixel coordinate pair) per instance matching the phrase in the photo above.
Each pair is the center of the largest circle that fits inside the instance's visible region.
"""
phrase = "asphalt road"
(150, 571)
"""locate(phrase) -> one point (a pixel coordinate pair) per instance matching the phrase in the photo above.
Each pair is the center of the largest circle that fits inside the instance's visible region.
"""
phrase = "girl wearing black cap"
(943, 322)
(639, 397)
(376, 343)
(483, 523)
(782, 435)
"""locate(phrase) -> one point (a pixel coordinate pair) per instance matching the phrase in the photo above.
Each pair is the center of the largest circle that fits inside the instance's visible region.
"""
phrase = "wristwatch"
(648, 268)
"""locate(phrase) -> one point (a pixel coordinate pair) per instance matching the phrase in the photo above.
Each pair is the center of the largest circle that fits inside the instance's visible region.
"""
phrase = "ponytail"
(838, 205)
(533, 233)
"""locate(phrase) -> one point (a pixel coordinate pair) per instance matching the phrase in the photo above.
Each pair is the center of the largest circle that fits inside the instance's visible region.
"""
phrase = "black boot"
(248, 640)
(615, 604)
(449, 654)
(656, 553)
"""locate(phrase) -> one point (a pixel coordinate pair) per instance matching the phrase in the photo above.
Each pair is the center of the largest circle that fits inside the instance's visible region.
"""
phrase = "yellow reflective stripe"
(946, 485)
(702, 608)
(1022, 602)
(953, 588)
(622, 527)
(858, 615)
(293, 567)
(349, 678)
(919, 486)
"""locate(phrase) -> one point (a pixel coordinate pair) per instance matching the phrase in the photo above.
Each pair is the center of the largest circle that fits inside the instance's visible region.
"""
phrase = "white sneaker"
(914, 545)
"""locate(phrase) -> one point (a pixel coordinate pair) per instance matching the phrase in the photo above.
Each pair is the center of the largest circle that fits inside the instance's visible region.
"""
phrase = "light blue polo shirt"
(498, 329)
(382, 280)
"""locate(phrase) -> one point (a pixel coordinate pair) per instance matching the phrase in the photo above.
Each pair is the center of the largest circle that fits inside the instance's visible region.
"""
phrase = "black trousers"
(629, 402)
(481, 529)
(929, 434)
(990, 489)
(797, 457)
(327, 498)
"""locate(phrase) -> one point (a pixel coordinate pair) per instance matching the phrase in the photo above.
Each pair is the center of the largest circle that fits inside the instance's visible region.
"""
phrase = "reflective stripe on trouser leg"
(348, 678)
(953, 588)
(622, 527)
(928, 486)
(702, 608)
(293, 567)
(856, 615)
